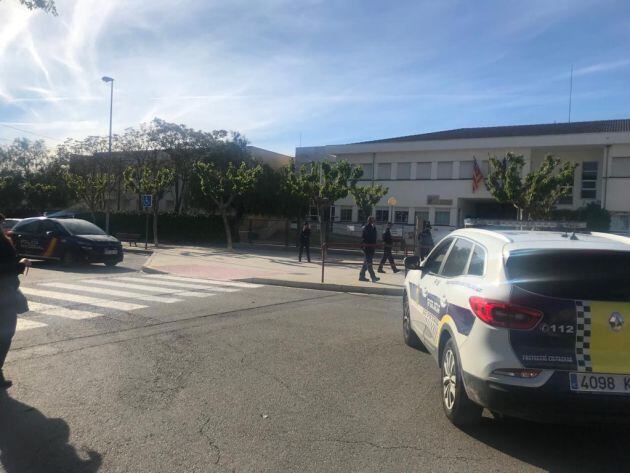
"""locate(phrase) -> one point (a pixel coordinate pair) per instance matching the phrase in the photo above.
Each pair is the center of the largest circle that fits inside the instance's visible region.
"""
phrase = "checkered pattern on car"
(583, 336)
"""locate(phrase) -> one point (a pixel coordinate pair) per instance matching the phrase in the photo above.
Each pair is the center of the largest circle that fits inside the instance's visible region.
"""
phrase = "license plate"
(111, 252)
(600, 383)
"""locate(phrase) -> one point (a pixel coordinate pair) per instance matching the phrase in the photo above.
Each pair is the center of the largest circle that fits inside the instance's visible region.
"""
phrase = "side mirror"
(411, 263)
(52, 233)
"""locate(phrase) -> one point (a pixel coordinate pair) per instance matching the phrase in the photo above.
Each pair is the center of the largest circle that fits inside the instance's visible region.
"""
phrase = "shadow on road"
(31, 442)
(558, 448)
(82, 268)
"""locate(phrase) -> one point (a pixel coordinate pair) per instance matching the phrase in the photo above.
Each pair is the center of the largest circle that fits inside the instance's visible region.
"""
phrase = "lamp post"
(111, 107)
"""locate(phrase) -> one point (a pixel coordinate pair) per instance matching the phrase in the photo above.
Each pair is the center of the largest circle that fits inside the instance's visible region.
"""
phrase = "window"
(346, 214)
(362, 217)
(457, 258)
(422, 214)
(403, 171)
(589, 180)
(477, 262)
(27, 227)
(434, 260)
(382, 215)
(442, 217)
(48, 226)
(465, 169)
(445, 170)
(81, 227)
(621, 167)
(484, 166)
(384, 171)
(401, 216)
(423, 170)
(368, 171)
(567, 199)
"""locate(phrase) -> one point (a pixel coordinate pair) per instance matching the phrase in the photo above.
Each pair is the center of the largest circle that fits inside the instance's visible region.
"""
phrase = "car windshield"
(591, 275)
(81, 227)
(10, 223)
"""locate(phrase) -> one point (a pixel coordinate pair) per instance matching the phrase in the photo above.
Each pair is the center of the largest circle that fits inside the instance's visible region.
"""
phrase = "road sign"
(392, 201)
(147, 201)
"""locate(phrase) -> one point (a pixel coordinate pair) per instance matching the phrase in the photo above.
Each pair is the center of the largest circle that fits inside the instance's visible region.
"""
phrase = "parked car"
(526, 324)
(9, 223)
(67, 240)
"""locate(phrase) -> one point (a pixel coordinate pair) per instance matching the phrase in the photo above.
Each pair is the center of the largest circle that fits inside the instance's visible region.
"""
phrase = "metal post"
(323, 260)
(146, 230)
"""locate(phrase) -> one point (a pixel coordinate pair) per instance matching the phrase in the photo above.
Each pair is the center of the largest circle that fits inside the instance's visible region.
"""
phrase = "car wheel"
(458, 407)
(111, 263)
(411, 338)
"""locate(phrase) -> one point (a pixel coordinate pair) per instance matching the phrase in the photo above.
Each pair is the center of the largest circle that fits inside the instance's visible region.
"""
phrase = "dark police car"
(67, 240)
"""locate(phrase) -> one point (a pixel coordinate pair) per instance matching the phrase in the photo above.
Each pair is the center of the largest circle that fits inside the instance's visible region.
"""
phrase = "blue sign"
(147, 201)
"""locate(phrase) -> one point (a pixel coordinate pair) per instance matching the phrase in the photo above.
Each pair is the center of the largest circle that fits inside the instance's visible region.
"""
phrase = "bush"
(596, 218)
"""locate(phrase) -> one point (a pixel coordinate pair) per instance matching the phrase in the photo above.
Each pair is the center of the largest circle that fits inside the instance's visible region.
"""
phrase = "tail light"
(503, 315)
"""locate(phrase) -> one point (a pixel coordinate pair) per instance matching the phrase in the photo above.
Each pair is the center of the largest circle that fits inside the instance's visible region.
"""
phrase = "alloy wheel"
(449, 379)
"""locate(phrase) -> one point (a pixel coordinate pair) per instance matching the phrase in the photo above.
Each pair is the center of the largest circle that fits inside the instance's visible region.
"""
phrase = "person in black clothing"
(12, 301)
(426, 240)
(305, 241)
(388, 244)
(369, 242)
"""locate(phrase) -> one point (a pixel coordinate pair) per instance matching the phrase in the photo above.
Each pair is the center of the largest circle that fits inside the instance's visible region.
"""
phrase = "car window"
(458, 258)
(434, 260)
(48, 225)
(81, 227)
(477, 262)
(28, 227)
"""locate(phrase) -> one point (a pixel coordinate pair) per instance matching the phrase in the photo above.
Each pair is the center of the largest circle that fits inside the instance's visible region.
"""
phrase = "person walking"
(426, 240)
(12, 301)
(369, 240)
(305, 241)
(388, 244)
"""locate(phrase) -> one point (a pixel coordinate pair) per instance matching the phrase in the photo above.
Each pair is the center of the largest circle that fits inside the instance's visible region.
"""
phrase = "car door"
(25, 236)
(48, 236)
(423, 285)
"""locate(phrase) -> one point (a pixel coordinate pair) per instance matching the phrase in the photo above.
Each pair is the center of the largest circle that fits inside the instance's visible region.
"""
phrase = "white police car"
(527, 324)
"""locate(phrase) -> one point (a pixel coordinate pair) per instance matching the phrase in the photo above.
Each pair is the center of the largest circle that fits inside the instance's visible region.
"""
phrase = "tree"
(88, 187)
(534, 196)
(153, 179)
(366, 197)
(223, 185)
(46, 5)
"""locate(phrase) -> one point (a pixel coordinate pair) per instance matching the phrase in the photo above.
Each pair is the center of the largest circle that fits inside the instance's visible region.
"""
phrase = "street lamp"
(111, 106)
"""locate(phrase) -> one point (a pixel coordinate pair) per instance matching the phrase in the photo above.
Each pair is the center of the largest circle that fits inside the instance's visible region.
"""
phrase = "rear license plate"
(111, 252)
(600, 383)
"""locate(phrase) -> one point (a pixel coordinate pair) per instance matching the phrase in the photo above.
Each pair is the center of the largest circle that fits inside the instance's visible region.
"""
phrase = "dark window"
(434, 260)
(477, 262)
(48, 226)
(442, 217)
(589, 180)
(401, 216)
(382, 215)
(367, 171)
(590, 275)
(457, 258)
(81, 227)
(362, 217)
(31, 226)
(346, 214)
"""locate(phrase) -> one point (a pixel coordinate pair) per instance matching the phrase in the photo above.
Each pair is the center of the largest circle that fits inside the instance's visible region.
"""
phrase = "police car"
(67, 240)
(528, 324)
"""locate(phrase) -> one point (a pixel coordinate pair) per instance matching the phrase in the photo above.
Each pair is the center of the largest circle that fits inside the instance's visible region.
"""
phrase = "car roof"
(515, 240)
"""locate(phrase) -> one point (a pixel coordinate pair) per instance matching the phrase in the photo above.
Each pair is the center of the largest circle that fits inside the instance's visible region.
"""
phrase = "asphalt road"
(254, 379)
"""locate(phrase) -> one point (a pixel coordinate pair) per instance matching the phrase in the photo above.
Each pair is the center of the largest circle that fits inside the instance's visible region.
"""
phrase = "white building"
(431, 174)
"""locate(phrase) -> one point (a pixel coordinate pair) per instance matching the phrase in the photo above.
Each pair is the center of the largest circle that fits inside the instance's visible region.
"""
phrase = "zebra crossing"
(89, 298)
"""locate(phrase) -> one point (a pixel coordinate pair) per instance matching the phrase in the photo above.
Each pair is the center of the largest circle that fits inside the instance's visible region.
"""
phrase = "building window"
(567, 199)
(589, 180)
(368, 171)
(423, 171)
(621, 167)
(484, 166)
(384, 171)
(403, 171)
(465, 169)
(346, 214)
(362, 217)
(422, 214)
(401, 216)
(382, 215)
(445, 170)
(442, 217)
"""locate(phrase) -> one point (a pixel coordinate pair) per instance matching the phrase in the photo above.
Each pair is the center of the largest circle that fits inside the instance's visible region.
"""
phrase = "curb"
(137, 251)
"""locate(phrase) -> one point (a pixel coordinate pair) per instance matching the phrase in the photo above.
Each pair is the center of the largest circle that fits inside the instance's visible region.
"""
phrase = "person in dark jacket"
(12, 301)
(388, 244)
(305, 241)
(426, 240)
(369, 242)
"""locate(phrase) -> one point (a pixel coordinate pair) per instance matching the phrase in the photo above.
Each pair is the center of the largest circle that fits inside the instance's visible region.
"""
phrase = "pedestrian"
(426, 240)
(369, 242)
(388, 244)
(12, 301)
(305, 241)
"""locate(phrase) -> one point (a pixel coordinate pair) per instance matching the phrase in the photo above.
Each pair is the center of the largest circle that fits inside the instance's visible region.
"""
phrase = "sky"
(310, 72)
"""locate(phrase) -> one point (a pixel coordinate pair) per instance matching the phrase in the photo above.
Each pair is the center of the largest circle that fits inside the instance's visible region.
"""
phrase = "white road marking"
(212, 282)
(69, 298)
(180, 284)
(64, 312)
(27, 324)
(112, 292)
(147, 288)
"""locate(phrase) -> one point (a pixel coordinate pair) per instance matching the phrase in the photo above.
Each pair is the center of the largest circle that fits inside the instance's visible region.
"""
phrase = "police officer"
(305, 241)
(369, 241)
(426, 240)
(388, 244)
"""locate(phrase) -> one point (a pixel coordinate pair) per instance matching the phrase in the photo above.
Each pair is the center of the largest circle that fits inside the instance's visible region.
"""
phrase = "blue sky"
(328, 71)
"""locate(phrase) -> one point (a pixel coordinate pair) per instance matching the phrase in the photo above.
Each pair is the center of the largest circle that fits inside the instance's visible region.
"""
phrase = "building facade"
(430, 175)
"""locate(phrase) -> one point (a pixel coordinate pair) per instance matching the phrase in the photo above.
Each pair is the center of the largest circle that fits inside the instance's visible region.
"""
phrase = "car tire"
(410, 337)
(459, 409)
(111, 263)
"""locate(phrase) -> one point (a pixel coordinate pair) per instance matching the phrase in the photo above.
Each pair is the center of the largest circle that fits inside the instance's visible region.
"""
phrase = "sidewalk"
(272, 267)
